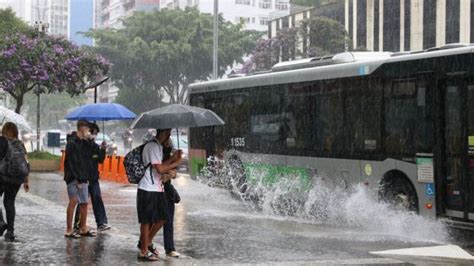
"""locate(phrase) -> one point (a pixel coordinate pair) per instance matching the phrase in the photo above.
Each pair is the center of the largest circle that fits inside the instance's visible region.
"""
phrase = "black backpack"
(134, 166)
(13, 167)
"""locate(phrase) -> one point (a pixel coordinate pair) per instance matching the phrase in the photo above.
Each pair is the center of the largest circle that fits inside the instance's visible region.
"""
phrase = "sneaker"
(103, 227)
(3, 227)
(10, 235)
(173, 254)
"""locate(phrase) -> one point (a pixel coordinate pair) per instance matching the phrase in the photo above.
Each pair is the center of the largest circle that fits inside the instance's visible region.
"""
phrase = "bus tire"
(399, 192)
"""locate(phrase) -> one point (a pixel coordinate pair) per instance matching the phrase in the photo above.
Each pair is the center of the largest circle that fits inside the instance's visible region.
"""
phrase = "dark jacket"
(75, 165)
(96, 155)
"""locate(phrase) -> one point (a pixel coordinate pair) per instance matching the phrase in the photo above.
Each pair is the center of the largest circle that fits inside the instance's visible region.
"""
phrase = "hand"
(26, 186)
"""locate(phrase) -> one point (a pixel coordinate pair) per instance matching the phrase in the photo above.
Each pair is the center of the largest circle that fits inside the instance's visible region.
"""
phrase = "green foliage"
(42, 155)
(10, 24)
(169, 49)
(326, 36)
(54, 107)
(139, 100)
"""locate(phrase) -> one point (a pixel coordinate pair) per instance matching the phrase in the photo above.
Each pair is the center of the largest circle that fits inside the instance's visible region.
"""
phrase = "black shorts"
(151, 207)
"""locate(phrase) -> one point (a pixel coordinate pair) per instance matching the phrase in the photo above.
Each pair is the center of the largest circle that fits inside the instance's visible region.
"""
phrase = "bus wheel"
(399, 192)
(237, 176)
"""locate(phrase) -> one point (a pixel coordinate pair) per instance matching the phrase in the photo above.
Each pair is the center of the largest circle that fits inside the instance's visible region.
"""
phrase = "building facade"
(394, 25)
(54, 12)
(109, 13)
(255, 14)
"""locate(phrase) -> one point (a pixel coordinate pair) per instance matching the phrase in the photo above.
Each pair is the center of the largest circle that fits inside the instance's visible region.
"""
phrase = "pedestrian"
(172, 197)
(151, 200)
(94, 155)
(9, 186)
(76, 176)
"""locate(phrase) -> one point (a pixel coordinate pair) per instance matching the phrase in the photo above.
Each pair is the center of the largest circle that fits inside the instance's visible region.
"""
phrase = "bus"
(400, 123)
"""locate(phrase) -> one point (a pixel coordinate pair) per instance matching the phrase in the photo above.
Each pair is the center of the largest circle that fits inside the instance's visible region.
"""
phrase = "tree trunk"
(19, 103)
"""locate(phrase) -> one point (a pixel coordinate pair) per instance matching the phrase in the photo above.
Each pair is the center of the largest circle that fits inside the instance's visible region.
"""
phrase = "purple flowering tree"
(53, 63)
(268, 52)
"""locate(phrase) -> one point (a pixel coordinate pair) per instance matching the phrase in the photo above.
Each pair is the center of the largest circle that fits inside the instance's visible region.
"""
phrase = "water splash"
(323, 202)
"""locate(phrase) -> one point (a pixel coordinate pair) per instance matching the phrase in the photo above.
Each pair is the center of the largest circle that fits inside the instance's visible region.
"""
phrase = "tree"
(52, 63)
(54, 107)
(10, 24)
(169, 49)
(267, 52)
(140, 100)
(323, 36)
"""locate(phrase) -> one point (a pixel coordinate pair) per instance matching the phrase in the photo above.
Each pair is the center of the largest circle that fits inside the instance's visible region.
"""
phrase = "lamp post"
(40, 27)
(216, 41)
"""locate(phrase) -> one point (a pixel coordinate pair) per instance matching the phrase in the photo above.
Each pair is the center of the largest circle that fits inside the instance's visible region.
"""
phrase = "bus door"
(457, 162)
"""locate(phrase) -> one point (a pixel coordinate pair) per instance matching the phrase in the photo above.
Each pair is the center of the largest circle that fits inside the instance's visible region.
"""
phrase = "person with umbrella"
(94, 155)
(151, 201)
(76, 177)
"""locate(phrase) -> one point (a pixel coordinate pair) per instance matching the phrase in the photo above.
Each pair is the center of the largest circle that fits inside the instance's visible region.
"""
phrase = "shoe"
(173, 254)
(3, 227)
(10, 235)
(103, 227)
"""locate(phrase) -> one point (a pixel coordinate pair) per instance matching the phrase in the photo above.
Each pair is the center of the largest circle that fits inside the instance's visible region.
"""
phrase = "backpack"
(134, 166)
(13, 167)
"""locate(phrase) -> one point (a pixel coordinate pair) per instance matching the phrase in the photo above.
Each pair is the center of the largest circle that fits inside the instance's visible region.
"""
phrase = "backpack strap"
(149, 164)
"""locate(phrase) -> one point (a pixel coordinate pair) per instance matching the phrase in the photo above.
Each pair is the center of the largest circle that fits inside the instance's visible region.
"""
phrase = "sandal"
(72, 235)
(148, 257)
(152, 248)
(89, 233)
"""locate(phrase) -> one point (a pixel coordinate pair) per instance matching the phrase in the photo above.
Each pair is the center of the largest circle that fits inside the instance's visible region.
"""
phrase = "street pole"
(40, 27)
(38, 116)
(216, 40)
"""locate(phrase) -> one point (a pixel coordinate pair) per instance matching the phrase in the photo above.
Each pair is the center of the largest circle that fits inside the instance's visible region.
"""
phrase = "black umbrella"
(176, 116)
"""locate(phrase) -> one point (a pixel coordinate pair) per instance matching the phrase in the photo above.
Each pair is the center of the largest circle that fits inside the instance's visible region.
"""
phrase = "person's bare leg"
(69, 214)
(83, 220)
(154, 229)
(144, 241)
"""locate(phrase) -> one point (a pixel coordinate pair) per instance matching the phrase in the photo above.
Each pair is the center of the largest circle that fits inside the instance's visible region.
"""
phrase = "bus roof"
(363, 63)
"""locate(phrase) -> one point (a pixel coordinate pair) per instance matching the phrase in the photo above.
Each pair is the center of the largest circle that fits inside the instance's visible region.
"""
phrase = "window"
(281, 4)
(314, 119)
(242, 2)
(363, 109)
(408, 117)
(265, 4)
(264, 21)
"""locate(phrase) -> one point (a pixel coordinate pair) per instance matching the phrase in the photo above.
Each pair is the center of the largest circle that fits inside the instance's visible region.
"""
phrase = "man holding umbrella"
(151, 200)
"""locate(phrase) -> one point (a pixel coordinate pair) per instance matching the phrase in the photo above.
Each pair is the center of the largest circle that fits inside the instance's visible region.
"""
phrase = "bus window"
(400, 117)
(363, 102)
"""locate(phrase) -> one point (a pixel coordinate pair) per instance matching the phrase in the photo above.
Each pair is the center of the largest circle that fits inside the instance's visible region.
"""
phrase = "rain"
(319, 132)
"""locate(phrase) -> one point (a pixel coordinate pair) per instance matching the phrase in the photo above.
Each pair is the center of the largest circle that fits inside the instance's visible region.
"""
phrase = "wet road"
(211, 227)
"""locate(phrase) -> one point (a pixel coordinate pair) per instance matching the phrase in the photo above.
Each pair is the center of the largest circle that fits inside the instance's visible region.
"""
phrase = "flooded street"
(211, 226)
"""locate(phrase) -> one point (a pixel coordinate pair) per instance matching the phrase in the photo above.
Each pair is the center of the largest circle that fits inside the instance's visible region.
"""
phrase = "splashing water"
(323, 202)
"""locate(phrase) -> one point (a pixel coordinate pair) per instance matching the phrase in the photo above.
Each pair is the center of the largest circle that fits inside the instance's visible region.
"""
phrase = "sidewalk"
(41, 222)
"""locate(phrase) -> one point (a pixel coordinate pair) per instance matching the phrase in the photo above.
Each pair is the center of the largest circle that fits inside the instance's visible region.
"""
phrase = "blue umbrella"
(101, 111)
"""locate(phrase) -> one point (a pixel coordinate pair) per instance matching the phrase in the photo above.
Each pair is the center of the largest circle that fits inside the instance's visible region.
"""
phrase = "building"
(81, 19)
(394, 25)
(109, 14)
(54, 12)
(256, 14)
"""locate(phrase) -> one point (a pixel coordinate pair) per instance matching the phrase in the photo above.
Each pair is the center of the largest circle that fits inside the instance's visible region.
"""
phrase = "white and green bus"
(400, 123)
